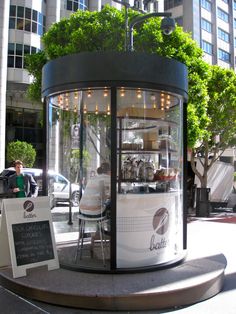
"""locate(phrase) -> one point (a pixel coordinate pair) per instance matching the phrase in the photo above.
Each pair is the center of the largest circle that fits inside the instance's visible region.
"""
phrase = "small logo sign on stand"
(26, 235)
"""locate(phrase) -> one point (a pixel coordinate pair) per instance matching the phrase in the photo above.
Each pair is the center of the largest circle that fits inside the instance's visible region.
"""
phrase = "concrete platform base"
(188, 283)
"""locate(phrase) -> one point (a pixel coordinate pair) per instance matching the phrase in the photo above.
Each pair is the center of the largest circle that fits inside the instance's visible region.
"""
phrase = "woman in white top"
(97, 192)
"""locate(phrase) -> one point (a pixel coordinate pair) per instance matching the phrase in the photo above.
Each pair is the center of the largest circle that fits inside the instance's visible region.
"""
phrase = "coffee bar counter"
(149, 228)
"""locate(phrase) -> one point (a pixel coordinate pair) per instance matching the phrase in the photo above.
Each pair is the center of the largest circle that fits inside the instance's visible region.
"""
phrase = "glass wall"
(79, 119)
(149, 187)
(79, 147)
(144, 225)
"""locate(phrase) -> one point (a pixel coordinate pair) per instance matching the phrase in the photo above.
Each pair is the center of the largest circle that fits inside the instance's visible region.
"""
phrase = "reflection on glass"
(148, 180)
(149, 141)
(79, 146)
(149, 187)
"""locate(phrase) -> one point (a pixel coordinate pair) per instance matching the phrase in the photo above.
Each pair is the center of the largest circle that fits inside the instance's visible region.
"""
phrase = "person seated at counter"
(97, 193)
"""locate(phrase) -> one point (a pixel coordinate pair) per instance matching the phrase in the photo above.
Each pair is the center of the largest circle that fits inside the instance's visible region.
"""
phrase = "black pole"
(185, 206)
(45, 152)
(139, 19)
(70, 222)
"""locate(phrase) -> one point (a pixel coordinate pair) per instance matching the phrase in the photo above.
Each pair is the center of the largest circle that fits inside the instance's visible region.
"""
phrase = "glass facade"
(26, 125)
(223, 35)
(207, 47)
(74, 5)
(223, 55)
(27, 19)
(224, 16)
(143, 205)
(149, 172)
(206, 25)
(16, 54)
(206, 4)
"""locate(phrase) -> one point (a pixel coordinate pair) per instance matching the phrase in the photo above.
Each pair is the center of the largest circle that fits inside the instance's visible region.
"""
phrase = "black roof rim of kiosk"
(114, 69)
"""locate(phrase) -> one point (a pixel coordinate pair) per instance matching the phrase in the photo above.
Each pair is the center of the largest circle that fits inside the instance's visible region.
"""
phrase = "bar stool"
(99, 220)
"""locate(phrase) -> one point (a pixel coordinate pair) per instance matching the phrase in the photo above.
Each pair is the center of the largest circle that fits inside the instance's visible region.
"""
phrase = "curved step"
(188, 283)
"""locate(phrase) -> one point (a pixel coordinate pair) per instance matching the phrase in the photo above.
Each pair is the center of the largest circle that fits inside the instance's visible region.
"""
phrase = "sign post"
(26, 235)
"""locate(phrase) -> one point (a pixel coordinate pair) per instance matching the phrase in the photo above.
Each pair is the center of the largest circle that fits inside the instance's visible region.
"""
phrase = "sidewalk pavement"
(206, 237)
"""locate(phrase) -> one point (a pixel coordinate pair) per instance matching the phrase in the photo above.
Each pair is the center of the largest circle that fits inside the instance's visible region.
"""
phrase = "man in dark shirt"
(22, 184)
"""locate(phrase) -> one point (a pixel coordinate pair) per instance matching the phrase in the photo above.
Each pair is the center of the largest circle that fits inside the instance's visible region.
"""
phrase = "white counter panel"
(149, 229)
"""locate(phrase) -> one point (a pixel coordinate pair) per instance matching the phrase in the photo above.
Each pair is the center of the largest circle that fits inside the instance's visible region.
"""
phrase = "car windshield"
(7, 172)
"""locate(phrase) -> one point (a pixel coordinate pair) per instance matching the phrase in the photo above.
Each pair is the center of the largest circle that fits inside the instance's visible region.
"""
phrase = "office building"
(212, 24)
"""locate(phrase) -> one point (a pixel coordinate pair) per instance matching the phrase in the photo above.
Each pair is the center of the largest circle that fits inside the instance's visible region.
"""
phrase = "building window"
(223, 55)
(235, 23)
(169, 4)
(207, 47)
(223, 15)
(207, 26)
(74, 5)
(16, 54)
(223, 35)
(206, 5)
(25, 125)
(26, 19)
(235, 42)
(234, 5)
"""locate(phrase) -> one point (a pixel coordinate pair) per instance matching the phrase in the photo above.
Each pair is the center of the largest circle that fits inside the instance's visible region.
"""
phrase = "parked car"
(58, 190)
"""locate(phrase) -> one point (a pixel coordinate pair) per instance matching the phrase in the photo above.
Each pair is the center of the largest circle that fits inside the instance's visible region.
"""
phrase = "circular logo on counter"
(28, 206)
(161, 221)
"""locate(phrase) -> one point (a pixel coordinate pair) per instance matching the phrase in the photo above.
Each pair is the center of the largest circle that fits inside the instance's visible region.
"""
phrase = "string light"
(108, 110)
(105, 93)
(85, 109)
(96, 109)
(167, 104)
(139, 93)
(153, 97)
(76, 95)
(122, 92)
(67, 102)
(89, 93)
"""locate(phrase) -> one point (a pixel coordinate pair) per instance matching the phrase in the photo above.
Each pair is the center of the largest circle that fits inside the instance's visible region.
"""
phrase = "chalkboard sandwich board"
(26, 235)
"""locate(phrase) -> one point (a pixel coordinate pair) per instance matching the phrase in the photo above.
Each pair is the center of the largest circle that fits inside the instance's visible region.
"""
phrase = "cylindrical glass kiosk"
(116, 128)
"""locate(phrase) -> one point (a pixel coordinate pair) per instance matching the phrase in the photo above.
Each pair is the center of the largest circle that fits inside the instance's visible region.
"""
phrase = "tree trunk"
(202, 202)
(202, 192)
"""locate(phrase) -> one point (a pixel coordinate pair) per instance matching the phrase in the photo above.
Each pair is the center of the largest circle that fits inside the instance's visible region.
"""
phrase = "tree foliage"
(21, 151)
(105, 31)
(220, 129)
(210, 98)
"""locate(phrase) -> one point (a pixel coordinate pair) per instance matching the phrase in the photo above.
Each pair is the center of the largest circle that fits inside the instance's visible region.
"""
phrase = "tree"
(22, 151)
(104, 30)
(219, 130)
(75, 165)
